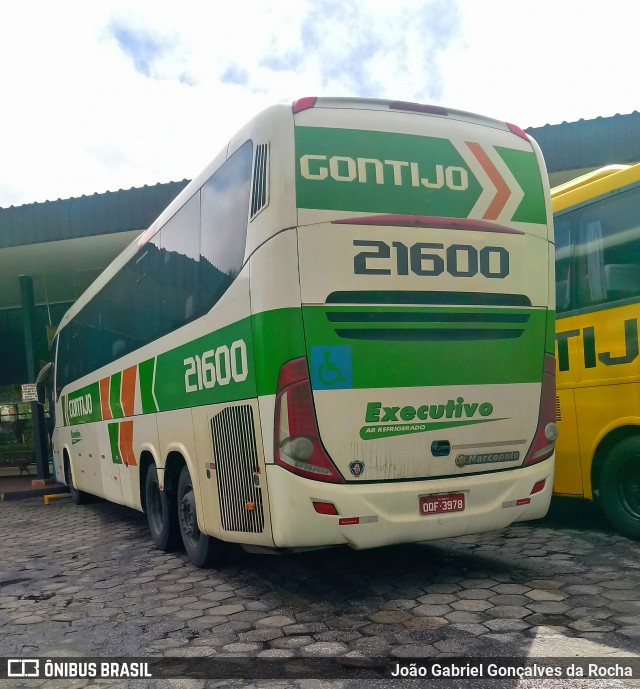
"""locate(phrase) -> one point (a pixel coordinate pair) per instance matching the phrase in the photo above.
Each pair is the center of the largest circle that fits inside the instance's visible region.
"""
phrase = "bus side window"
(180, 254)
(178, 275)
(595, 288)
(622, 279)
(223, 233)
(610, 248)
(564, 261)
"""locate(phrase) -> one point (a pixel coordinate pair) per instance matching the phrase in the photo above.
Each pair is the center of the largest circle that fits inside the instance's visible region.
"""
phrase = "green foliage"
(10, 394)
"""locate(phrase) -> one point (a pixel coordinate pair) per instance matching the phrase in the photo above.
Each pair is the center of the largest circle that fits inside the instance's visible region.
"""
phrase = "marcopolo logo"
(487, 458)
(385, 421)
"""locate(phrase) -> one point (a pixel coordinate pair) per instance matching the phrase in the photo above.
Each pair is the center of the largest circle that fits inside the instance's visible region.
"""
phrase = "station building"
(65, 244)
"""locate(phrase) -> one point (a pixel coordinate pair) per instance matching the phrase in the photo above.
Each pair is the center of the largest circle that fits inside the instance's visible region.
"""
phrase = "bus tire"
(162, 514)
(200, 548)
(620, 487)
(78, 497)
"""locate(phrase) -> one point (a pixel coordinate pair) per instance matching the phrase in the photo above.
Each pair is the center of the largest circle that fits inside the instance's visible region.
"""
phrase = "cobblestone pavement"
(87, 581)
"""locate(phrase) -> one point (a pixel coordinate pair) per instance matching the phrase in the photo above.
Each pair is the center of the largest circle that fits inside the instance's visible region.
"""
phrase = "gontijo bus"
(597, 220)
(341, 332)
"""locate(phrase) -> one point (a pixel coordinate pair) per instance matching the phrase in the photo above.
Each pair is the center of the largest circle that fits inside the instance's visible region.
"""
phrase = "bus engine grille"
(236, 458)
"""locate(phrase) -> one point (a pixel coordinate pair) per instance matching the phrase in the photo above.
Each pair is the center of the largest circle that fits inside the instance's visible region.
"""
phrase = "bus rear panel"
(421, 405)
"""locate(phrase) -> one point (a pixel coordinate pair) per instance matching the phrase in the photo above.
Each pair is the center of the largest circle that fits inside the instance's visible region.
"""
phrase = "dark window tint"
(225, 203)
(175, 277)
(564, 264)
(180, 254)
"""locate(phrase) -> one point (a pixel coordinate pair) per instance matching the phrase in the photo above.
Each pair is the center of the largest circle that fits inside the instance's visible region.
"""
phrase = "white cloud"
(116, 93)
(543, 62)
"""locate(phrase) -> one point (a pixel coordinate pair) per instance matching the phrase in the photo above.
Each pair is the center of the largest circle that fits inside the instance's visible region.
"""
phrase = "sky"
(103, 95)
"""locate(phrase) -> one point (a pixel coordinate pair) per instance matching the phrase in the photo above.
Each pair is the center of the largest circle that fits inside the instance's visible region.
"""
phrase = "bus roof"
(294, 108)
(593, 184)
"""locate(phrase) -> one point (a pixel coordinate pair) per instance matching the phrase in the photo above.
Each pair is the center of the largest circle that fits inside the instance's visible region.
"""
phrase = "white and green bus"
(341, 332)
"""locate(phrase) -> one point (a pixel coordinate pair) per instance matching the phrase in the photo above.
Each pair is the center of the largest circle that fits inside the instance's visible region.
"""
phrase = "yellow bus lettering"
(631, 346)
(591, 356)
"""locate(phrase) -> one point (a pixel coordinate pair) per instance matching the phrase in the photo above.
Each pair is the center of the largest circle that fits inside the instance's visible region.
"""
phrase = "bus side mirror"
(44, 379)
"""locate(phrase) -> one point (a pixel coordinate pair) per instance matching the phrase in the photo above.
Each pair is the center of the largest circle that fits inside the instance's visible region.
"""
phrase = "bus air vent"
(429, 298)
(259, 186)
(436, 324)
(236, 458)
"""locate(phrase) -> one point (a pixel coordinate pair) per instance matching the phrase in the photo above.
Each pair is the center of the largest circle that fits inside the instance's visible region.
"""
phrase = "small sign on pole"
(29, 392)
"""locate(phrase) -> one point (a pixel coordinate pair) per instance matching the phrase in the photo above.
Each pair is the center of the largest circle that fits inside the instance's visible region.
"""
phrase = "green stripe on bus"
(145, 372)
(387, 355)
(278, 337)
(114, 441)
(382, 172)
(550, 343)
(218, 367)
(389, 431)
(83, 405)
(407, 346)
(524, 167)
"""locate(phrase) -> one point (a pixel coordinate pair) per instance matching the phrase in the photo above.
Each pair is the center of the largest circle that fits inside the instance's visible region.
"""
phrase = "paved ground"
(87, 581)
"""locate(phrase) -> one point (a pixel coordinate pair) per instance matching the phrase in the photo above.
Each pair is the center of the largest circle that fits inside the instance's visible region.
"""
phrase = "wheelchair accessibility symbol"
(331, 367)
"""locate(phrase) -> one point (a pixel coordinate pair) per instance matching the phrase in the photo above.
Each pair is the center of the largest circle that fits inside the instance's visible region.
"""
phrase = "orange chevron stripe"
(503, 192)
(128, 390)
(126, 444)
(104, 399)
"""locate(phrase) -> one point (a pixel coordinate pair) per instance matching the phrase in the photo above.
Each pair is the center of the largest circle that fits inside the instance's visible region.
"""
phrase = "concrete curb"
(35, 493)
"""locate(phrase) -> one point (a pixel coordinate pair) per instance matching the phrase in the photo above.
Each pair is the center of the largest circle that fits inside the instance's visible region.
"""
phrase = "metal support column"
(37, 410)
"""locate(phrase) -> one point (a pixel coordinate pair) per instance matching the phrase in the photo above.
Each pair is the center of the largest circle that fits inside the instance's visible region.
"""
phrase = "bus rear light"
(517, 131)
(537, 487)
(304, 104)
(544, 440)
(325, 508)
(418, 107)
(523, 501)
(297, 445)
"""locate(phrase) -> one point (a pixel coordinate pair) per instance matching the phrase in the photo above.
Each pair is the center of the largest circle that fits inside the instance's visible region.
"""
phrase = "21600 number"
(429, 258)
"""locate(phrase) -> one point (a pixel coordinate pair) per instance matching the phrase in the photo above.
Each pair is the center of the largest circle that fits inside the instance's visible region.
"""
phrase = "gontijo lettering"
(397, 172)
(80, 406)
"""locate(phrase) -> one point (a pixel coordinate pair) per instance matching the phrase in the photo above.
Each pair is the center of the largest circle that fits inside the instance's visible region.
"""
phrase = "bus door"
(568, 476)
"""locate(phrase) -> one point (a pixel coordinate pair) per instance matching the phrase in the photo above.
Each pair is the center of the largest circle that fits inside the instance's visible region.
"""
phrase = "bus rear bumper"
(379, 514)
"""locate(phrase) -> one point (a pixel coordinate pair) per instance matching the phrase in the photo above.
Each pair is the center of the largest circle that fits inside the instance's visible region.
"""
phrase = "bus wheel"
(161, 513)
(620, 487)
(77, 496)
(200, 547)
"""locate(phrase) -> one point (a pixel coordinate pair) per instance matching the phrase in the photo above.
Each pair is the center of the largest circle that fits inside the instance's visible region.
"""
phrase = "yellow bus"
(597, 230)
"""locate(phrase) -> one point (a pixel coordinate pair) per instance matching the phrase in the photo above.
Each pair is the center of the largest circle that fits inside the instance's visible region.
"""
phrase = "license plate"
(439, 504)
